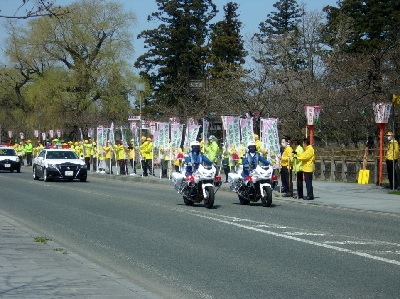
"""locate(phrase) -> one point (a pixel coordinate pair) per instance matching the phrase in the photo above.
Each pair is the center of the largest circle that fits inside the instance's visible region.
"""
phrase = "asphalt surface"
(32, 269)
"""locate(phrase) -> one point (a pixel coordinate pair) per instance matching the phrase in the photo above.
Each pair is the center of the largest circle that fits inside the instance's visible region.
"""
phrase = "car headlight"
(54, 166)
(16, 159)
(84, 166)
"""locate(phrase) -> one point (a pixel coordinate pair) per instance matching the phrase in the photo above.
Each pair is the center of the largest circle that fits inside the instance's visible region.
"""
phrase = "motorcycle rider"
(251, 158)
(194, 158)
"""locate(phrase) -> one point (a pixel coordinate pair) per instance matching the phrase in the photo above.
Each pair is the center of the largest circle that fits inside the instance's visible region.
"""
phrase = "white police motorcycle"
(258, 185)
(199, 186)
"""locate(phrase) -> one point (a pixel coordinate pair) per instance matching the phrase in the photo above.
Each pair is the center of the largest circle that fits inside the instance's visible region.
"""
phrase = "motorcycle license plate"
(7, 165)
(69, 173)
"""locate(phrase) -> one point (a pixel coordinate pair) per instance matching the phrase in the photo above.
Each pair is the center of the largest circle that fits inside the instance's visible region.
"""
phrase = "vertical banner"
(43, 136)
(231, 125)
(190, 123)
(206, 128)
(51, 134)
(156, 139)
(36, 133)
(246, 126)
(58, 133)
(90, 132)
(176, 135)
(112, 135)
(270, 139)
(193, 131)
(101, 136)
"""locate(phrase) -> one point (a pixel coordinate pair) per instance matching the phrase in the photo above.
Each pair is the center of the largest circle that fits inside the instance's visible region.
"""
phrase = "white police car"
(9, 160)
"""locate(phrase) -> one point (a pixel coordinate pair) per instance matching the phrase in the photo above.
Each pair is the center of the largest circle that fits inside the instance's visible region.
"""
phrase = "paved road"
(139, 232)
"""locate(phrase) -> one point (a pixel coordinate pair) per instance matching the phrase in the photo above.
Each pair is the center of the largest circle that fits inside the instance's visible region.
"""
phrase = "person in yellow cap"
(142, 149)
(108, 150)
(28, 149)
(149, 156)
(392, 156)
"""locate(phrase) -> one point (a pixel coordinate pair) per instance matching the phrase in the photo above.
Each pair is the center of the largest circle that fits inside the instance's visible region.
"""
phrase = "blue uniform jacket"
(250, 162)
(193, 161)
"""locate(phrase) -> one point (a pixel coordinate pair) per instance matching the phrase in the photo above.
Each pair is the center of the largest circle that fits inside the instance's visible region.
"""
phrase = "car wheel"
(83, 179)
(19, 170)
(45, 177)
(35, 177)
(11, 170)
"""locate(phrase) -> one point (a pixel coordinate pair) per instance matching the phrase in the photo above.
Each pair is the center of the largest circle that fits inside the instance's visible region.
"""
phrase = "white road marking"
(285, 236)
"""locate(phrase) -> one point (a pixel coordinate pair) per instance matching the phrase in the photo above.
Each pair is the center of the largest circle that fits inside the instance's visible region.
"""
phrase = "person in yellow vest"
(178, 158)
(392, 156)
(120, 155)
(87, 153)
(297, 167)
(258, 143)
(38, 148)
(78, 149)
(21, 153)
(149, 156)
(94, 156)
(28, 148)
(101, 156)
(307, 159)
(143, 148)
(212, 148)
(108, 149)
(286, 170)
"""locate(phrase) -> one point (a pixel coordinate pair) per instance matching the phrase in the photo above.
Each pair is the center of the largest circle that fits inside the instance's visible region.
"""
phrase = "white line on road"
(285, 236)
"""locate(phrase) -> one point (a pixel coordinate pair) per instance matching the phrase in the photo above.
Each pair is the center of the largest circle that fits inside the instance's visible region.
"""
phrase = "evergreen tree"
(372, 25)
(176, 48)
(226, 46)
(279, 35)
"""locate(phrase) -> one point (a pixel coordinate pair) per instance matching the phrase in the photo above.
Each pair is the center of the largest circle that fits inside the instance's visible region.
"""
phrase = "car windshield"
(7, 152)
(61, 155)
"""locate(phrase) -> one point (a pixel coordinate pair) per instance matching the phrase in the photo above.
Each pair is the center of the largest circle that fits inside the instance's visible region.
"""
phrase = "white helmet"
(195, 143)
(251, 143)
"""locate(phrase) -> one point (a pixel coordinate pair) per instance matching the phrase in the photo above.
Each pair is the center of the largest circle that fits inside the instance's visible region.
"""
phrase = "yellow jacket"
(120, 151)
(393, 146)
(287, 153)
(307, 159)
(108, 150)
(146, 149)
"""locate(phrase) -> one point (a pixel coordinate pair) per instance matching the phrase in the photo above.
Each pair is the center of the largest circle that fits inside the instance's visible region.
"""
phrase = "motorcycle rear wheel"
(266, 200)
(209, 202)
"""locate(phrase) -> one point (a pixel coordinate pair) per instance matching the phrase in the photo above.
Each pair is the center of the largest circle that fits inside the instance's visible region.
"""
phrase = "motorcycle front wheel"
(209, 202)
(243, 201)
(266, 200)
(187, 201)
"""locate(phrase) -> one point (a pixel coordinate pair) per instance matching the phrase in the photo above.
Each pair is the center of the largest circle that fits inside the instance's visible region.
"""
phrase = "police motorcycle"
(200, 182)
(253, 182)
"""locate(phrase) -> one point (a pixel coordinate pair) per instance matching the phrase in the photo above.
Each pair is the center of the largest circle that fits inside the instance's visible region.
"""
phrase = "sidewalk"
(36, 270)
